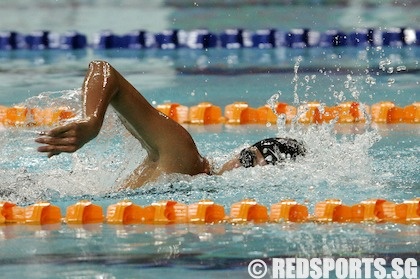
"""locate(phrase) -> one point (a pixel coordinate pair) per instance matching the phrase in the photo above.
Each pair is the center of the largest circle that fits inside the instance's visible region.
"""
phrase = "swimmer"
(170, 148)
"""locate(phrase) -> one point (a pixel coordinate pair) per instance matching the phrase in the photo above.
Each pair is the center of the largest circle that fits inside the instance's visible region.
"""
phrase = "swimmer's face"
(248, 157)
(266, 151)
(251, 157)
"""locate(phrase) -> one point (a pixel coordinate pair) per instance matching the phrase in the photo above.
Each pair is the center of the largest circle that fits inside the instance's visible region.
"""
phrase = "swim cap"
(247, 158)
(279, 149)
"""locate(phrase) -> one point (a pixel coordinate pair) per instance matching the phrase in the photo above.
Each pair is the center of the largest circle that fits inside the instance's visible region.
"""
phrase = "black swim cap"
(247, 158)
(279, 149)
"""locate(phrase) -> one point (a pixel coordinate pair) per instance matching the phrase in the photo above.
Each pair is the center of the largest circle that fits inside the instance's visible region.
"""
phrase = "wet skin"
(170, 148)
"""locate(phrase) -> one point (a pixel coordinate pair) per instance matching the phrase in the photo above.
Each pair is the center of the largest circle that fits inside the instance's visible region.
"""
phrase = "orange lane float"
(208, 212)
(166, 212)
(324, 211)
(288, 210)
(306, 112)
(19, 116)
(205, 113)
(372, 210)
(267, 115)
(205, 211)
(15, 116)
(325, 114)
(84, 212)
(249, 116)
(49, 116)
(240, 113)
(411, 210)
(379, 210)
(125, 212)
(393, 212)
(333, 210)
(176, 112)
(352, 112)
(287, 110)
(348, 112)
(412, 113)
(379, 111)
(10, 213)
(248, 210)
(408, 114)
(42, 213)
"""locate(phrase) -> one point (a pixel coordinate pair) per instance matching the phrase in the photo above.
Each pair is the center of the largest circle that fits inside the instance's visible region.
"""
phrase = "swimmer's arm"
(98, 89)
(229, 165)
(103, 85)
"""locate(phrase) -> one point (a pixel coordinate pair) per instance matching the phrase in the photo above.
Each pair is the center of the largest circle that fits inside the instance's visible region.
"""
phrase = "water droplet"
(384, 63)
(370, 80)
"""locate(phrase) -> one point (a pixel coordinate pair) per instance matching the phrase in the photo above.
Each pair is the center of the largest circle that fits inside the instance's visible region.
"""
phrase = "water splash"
(98, 167)
(296, 80)
(334, 166)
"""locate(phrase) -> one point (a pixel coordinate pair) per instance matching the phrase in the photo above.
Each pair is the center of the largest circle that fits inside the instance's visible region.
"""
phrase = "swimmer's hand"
(67, 138)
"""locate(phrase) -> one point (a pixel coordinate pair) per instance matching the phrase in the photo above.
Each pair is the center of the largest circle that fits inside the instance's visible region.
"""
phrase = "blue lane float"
(39, 40)
(233, 38)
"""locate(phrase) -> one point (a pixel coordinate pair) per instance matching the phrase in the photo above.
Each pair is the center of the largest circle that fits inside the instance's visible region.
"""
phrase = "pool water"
(348, 162)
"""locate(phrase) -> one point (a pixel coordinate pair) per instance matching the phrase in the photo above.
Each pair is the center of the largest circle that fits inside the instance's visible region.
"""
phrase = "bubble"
(339, 95)
(272, 101)
(384, 63)
(370, 80)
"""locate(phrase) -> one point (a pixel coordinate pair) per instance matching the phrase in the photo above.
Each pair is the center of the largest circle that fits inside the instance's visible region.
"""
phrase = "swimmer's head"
(273, 150)
(267, 151)
(247, 157)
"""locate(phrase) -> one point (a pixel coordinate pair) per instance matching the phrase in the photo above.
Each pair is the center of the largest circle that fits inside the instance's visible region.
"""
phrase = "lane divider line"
(238, 113)
(208, 212)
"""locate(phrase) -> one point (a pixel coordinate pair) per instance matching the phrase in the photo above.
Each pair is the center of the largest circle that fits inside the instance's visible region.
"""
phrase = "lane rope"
(232, 38)
(238, 113)
(208, 212)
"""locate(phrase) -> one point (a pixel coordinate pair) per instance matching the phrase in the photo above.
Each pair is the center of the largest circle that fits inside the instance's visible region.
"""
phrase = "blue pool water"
(348, 162)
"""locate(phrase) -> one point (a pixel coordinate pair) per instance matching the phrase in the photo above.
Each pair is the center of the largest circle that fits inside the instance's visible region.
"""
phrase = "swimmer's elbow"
(100, 64)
